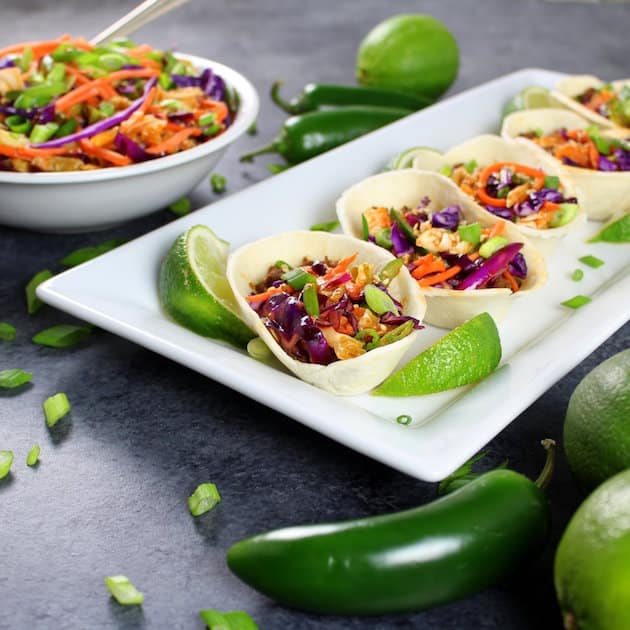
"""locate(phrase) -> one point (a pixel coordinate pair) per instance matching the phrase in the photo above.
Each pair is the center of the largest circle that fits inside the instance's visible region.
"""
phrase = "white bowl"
(94, 200)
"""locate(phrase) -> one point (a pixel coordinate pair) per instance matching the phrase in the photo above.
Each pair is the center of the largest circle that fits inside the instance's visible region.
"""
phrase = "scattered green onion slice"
(364, 227)
(212, 130)
(218, 183)
(539, 132)
(281, 264)
(403, 225)
(10, 379)
(298, 278)
(390, 271)
(107, 108)
(42, 133)
(383, 238)
(577, 301)
(258, 349)
(207, 119)
(180, 207)
(17, 124)
(470, 166)
(252, 130)
(33, 303)
(379, 301)
(591, 261)
(326, 226)
(372, 335)
(62, 336)
(55, 408)
(33, 456)
(84, 254)
(123, 591)
(552, 181)
(310, 299)
(492, 246)
(203, 499)
(66, 128)
(400, 332)
(165, 81)
(24, 61)
(577, 275)
(6, 459)
(446, 170)
(502, 193)
(404, 419)
(471, 233)
(7, 332)
(233, 620)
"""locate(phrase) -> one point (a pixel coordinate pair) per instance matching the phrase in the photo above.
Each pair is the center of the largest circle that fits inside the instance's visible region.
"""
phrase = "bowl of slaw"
(102, 194)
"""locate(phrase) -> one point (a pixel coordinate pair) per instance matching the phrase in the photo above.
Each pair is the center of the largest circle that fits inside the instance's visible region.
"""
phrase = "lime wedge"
(406, 158)
(465, 355)
(532, 97)
(193, 288)
(617, 231)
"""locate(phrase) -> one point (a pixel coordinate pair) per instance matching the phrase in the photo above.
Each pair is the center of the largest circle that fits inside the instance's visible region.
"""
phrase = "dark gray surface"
(109, 495)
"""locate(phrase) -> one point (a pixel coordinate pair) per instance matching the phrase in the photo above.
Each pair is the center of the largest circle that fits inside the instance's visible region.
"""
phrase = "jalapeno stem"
(550, 463)
(274, 147)
(279, 101)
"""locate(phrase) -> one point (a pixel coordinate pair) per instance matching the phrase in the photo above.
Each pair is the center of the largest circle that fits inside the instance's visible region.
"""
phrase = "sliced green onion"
(539, 132)
(404, 419)
(181, 207)
(258, 349)
(365, 228)
(565, 214)
(403, 225)
(6, 459)
(372, 335)
(203, 499)
(298, 278)
(326, 226)
(212, 130)
(66, 128)
(503, 193)
(55, 408)
(233, 620)
(470, 166)
(79, 256)
(383, 238)
(42, 133)
(603, 145)
(207, 119)
(123, 591)
(591, 261)
(446, 170)
(107, 108)
(552, 181)
(113, 61)
(310, 299)
(390, 271)
(492, 246)
(10, 379)
(24, 61)
(577, 301)
(33, 303)
(252, 130)
(17, 124)
(400, 332)
(577, 275)
(471, 233)
(218, 183)
(378, 301)
(62, 336)
(281, 264)
(165, 81)
(7, 331)
(57, 73)
(277, 168)
(33, 456)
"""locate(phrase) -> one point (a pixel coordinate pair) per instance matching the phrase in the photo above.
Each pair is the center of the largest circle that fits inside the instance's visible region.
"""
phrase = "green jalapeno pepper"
(411, 560)
(303, 137)
(315, 95)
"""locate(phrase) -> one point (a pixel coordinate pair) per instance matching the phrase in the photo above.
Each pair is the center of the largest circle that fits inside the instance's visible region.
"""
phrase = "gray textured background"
(109, 495)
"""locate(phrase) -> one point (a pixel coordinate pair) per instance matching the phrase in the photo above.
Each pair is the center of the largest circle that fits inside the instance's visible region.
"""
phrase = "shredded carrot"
(265, 295)
(537, 175)
(107, 155)
(137, 73)
(577, 153)
(30, 152)
(434, 265)
(218, 108)
(174, 142)
(139, 51)
(45, 47)
(440, 277)
(510, 278)
(149, 100)
(79, 77)
(341, 267)
(497, 229)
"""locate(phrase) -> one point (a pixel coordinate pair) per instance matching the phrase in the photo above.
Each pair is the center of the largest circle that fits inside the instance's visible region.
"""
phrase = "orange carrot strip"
(537, 175)
(149, 100)
(79, 77)
(104, 154)
(138, 73)
(265, 295)
(173, 143)
(139, 51)
(218, 108)
(439, 277)
(29, 152)
(430, 267)
(497, 229)
(36, 46)
(341, 267)
(510, 278)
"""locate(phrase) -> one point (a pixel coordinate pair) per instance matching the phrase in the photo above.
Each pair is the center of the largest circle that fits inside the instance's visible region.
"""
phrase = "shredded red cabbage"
(131, 149)
(491, 268)
(447, 218)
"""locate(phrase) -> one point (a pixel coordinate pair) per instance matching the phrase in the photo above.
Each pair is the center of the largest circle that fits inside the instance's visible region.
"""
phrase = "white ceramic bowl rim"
(246, 114)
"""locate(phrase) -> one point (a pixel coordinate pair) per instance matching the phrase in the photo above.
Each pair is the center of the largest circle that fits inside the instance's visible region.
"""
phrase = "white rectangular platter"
(541, 339)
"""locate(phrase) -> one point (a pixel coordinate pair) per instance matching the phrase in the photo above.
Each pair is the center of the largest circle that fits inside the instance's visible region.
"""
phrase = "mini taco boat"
(596, 161)
(337, 312)
(605, 104)
(465, 260)
(514, 182)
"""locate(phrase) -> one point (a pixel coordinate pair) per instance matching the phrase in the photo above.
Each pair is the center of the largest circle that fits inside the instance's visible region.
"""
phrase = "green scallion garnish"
(33, 303)
(552, 181)
(55, 408)
(591, 261)
(383, 238)
(218, 183)
(180, 207)
(378, 301)
(33, 456)
(398, 333)
(232, 620)
(364, 227)
(6, 459)
(446, 170)
(370, 338)
(203, 499)
(252, 130)
(62, 336)
(7, 332)
(390, 271)
(404, 419)
(577, 275)
(298, 278)
(10, 379)
(577, 301)
(207, 119)
(471, 233)
(470, 166)
(84, 254)
(123, 591)
(310, 299)
(326, 226)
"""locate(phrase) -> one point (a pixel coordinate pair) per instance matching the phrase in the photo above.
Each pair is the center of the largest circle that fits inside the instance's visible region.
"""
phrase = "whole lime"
(592, 566)
(409, 52)
(597, 424)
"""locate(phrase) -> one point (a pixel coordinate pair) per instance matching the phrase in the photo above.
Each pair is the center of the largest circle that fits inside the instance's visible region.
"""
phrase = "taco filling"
(584, 148)
(515, 192)
(442, 250)
(608, 102)
(324, 311)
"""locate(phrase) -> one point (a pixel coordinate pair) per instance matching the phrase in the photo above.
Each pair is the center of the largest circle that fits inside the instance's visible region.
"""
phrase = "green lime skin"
(412, 53)
(188, 302)
(597, 423)
(592, 566)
